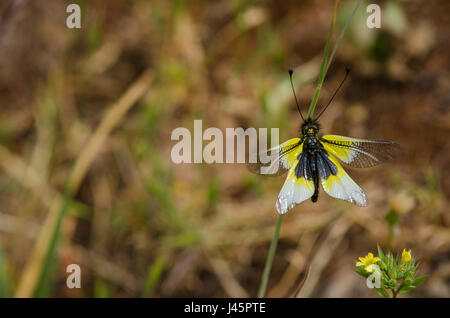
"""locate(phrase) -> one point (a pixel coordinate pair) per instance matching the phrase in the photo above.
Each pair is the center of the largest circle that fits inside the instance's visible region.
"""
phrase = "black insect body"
(312, 159)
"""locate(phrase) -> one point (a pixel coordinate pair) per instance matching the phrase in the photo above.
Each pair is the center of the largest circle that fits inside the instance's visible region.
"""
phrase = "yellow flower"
(368, 262)
(406, 255)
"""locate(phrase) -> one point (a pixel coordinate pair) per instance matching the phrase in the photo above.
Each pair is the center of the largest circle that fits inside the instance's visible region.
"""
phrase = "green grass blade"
(325, 60)
(46, 279)
(341, 35)
(154, 276)
(380, 253)
(323, 66)
(5, 287)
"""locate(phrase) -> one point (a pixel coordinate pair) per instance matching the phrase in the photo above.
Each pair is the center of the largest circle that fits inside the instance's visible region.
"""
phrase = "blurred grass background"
(85, 125)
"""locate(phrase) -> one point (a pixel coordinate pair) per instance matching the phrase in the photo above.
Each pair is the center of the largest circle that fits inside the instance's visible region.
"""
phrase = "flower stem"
(396, 292)
(269, 259)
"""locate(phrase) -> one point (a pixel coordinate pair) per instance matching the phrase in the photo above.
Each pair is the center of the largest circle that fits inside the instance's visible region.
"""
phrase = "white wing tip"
(359, 198)
(281, 205)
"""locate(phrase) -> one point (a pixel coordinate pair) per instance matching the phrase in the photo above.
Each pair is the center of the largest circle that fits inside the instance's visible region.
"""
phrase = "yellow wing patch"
(290, 158)
(276, 160)
(344, 154)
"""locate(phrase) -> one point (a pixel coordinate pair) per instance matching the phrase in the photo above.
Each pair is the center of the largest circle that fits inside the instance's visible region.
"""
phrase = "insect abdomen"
(307, 167)
(315, 175)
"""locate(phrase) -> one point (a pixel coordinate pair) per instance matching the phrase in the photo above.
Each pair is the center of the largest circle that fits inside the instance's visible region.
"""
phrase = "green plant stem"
(339, 39)
(323, 66)
(395, 292)
(326, 62)
(270, 257)
(323, 70)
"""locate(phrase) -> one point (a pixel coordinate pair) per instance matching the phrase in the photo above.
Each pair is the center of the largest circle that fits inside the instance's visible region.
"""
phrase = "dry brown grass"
(140, 225)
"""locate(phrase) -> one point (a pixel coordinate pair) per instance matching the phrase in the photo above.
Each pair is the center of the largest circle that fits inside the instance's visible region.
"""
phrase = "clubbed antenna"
(347, 71)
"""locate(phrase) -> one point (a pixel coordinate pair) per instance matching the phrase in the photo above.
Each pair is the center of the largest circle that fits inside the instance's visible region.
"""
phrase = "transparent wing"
(336, 182)
(275, 161)
(360, 153)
